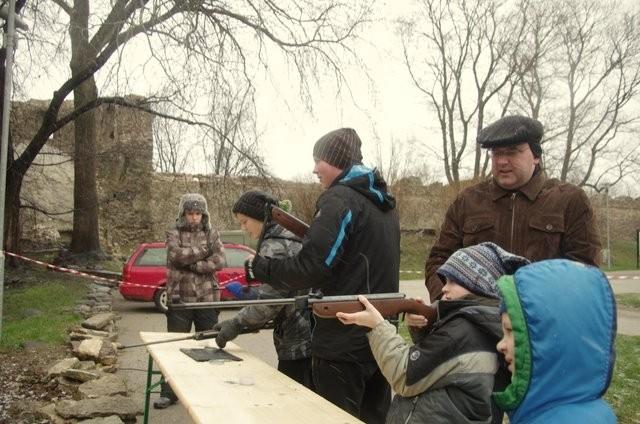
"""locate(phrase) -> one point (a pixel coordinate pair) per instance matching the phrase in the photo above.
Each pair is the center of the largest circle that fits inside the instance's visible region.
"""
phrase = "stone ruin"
(124, 175)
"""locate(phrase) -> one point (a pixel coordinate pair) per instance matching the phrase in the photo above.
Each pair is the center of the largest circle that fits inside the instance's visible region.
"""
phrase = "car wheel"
(160, 299)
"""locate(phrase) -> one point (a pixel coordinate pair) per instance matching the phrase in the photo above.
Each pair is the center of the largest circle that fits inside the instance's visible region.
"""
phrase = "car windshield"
(157, 256)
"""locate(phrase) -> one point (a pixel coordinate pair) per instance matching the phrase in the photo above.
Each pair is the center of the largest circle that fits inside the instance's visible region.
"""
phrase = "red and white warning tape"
(100, 280)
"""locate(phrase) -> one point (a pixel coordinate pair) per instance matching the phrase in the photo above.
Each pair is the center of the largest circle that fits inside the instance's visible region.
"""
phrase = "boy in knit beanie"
(448, 375)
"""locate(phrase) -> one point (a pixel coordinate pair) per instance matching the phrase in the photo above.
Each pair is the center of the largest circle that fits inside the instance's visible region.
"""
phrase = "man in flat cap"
(519, 208)
(352, 247)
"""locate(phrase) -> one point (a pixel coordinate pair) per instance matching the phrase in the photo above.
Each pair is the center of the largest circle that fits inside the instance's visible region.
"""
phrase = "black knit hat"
(252, 204)
(340, 148)
(512, 130)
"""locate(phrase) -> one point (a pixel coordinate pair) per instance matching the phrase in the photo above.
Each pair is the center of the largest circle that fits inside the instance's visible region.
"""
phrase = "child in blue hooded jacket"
(559, 325)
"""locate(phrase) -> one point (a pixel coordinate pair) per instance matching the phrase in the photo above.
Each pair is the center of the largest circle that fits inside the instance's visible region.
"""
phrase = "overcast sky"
(380, 102)
(384, 105)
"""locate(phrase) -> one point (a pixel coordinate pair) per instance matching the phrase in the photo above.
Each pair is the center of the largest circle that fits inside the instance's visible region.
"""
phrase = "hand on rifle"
(228, 330)
(417, 321)
(370, 317)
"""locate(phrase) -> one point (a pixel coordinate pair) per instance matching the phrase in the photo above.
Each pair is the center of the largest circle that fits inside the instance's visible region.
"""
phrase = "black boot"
(167, 397)
(163, 402)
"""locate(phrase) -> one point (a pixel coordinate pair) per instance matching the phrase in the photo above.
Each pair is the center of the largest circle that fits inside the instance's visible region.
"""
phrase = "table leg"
(149, 389)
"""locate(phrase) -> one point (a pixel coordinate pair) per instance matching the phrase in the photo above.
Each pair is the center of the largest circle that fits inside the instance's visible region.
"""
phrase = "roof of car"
(158, 244)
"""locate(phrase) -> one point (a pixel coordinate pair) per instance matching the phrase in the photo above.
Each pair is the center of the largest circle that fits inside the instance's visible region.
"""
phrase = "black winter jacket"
(352, 247)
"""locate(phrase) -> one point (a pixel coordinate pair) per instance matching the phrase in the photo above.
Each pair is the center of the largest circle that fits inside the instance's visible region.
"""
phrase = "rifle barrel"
(228, 304)
(301, 301)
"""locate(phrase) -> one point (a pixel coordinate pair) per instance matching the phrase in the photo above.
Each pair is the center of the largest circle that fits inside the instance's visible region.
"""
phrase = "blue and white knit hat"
(477, 268)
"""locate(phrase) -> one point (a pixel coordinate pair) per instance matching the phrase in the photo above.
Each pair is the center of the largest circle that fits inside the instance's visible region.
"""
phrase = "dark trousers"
(180, 321)
(358, 388)
(298, 370)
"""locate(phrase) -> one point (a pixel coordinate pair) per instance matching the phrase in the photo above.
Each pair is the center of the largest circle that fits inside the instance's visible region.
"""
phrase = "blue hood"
(369, 183)
(563, 315)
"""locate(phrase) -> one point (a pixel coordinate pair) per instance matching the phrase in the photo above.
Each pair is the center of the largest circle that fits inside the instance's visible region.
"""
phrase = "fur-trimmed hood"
(194, 202)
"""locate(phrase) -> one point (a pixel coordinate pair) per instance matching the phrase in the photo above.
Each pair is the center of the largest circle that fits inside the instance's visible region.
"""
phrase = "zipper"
(513, 218)
(414, 401)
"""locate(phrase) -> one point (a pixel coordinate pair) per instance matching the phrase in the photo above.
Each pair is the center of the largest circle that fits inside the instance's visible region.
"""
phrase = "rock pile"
(100, 397)
(98, 299)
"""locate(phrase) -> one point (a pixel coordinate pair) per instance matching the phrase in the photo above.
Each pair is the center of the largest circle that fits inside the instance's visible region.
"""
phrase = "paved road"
(138, 317)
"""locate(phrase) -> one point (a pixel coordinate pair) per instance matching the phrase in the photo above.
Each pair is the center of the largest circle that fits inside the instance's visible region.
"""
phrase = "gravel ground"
(24, 386)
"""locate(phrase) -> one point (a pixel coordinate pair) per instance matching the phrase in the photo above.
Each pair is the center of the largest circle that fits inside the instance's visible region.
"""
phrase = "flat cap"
(511, 130)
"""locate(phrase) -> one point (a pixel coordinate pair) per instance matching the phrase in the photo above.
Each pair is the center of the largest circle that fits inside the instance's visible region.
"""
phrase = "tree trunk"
(12, 229)
(85, 238)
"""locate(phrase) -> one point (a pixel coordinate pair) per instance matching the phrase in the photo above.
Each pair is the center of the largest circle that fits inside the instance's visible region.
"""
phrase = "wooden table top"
(247, 391)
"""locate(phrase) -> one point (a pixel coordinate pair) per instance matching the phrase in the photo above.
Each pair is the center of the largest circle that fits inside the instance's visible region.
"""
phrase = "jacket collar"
(530, 189)
(448, 307)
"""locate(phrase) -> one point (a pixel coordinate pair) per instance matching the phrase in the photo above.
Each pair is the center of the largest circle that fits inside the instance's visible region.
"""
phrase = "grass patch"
(414, 249)
(623, 394)
(38, 306)
(623, 255)
(629, 300)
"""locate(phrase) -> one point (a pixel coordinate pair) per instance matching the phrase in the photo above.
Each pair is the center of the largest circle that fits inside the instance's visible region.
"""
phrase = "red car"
(145, 274)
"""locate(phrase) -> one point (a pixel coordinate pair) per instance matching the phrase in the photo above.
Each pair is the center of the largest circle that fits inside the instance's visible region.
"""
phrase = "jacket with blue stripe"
(352, 247)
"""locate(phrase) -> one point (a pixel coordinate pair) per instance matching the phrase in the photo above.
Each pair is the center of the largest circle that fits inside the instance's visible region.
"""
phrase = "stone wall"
(125, 167)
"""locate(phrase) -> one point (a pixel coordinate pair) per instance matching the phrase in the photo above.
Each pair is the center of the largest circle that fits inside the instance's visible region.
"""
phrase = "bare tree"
(403, 160)
(170, 154)
(574, 65)
(233, 123)
(308, 34)
(460, 55)
(586, 81)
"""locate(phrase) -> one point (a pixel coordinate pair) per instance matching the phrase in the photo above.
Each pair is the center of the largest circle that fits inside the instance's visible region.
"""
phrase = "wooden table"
(248, 391)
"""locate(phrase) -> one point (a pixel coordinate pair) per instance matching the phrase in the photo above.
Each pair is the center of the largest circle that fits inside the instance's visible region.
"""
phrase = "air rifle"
(389, 304)
(288, 221)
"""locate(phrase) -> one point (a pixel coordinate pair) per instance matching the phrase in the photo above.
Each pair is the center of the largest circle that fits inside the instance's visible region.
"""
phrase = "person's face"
(453, 290)
(193, 217)
(325, 172)
(512, 166)
(506, 344)
(251, 226)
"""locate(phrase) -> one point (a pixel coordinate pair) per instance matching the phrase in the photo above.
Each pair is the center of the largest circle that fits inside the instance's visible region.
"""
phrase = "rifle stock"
(290, 222)
(386, 307)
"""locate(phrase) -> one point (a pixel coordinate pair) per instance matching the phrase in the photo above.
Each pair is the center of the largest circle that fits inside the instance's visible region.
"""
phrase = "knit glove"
(228, 330)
